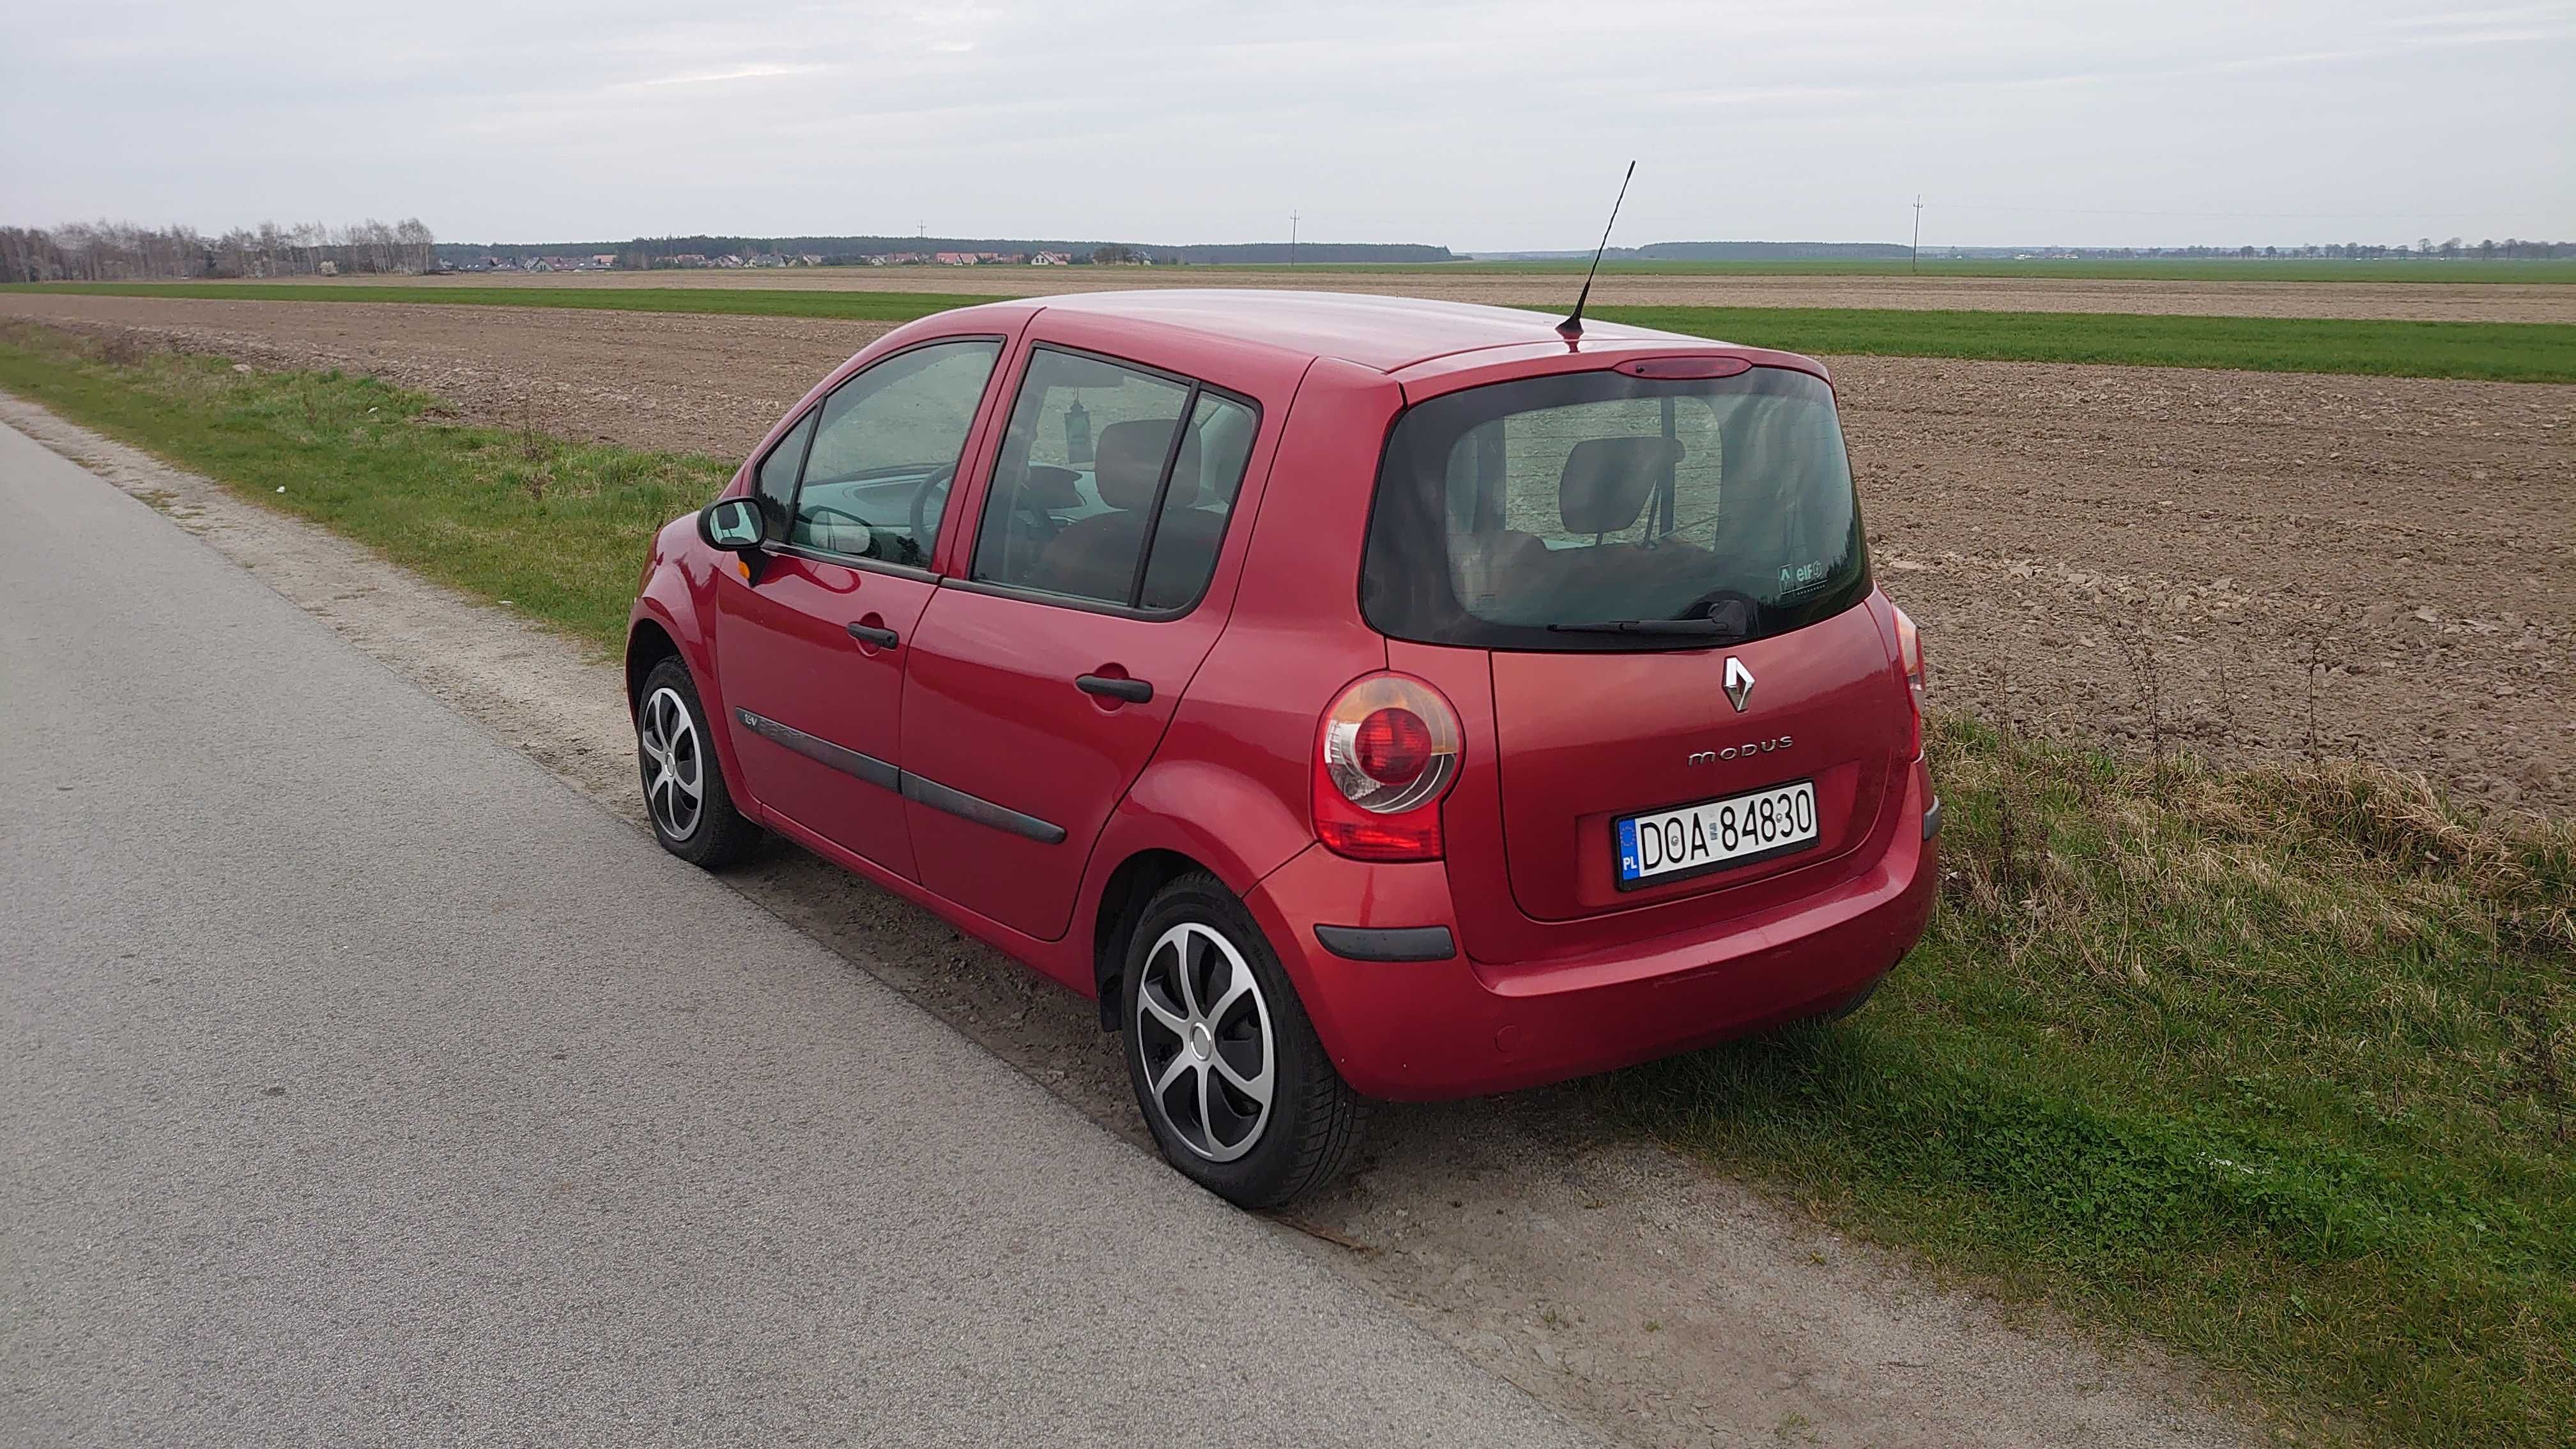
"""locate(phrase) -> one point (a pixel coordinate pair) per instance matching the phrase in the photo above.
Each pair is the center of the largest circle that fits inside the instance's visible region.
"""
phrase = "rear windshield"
(1550, 512)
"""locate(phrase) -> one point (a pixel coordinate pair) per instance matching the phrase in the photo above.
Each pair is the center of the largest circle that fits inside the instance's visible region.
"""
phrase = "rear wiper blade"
(1712, 627)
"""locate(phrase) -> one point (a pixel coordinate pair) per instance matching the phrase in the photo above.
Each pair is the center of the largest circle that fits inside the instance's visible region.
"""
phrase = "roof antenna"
(1572, 327)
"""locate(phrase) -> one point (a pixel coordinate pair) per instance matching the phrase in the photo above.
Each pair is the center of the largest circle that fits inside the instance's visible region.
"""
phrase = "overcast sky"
(1492, 125)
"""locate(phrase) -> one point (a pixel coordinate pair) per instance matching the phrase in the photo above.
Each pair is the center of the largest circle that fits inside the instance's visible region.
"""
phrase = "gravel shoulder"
(2244, 564)
(1662, 1303)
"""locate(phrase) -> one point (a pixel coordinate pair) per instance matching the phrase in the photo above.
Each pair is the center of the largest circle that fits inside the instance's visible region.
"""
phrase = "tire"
(705, 830)
(1193, 945)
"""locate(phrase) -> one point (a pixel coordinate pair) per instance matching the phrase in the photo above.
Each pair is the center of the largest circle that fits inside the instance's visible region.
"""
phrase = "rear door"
(1039, 685)
(811, 634)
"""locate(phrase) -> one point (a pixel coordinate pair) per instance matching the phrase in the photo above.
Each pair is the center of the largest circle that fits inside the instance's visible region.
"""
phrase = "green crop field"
(2175, 269)
(733, 300)
(854, 306)
(2493, 351)
(2274, 1066)
(2496, 351)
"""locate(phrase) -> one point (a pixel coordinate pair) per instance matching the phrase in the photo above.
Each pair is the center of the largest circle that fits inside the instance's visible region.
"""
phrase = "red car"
(1361, 697)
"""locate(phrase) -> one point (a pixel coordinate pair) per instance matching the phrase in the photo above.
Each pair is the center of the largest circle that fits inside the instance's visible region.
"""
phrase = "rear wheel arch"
(1122, 901)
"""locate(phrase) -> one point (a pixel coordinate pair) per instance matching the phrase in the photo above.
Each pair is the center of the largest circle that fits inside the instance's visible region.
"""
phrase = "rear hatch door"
(1588, 740)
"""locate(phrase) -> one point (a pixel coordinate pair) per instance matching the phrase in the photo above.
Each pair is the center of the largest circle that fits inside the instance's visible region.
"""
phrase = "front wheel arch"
(647, 645)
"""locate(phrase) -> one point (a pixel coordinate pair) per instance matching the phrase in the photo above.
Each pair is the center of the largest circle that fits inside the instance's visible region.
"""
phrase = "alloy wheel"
(674, 765)
(1203, 1031)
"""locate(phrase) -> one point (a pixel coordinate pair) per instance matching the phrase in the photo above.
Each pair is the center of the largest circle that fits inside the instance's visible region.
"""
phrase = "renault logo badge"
(1739, 683)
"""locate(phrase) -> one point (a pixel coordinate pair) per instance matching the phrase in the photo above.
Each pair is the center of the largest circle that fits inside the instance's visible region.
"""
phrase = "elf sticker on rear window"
(1797, 577)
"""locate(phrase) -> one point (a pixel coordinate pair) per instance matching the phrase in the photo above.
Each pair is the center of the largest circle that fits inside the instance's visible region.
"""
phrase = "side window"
(886, 447)
(775, 489)
(1196, 509)
(1099, 456)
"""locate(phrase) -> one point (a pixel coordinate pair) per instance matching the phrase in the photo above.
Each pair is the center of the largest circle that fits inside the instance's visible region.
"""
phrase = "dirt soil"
(2398, 301)
(1641, 1292)
(2242, 564)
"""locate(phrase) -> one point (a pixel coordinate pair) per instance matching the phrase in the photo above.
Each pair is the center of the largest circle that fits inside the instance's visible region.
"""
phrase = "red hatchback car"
(1361, 697)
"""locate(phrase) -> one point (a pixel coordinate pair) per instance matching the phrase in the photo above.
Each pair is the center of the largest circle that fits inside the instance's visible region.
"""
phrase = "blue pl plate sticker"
(1627, 850)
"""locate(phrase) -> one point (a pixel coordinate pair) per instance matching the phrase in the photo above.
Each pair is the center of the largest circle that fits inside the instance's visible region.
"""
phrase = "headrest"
(1127, 463)
(1606, 481)
(1050, 487)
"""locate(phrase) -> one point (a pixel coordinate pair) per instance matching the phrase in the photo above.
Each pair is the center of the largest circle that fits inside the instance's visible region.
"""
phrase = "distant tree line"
(108, 251)
(645, 252)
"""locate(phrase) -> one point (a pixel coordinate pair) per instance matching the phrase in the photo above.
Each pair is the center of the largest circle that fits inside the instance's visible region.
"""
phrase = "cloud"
(730, 73)
(1476, 123)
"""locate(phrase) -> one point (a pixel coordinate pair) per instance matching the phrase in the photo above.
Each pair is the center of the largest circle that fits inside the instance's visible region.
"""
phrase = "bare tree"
(111, 251)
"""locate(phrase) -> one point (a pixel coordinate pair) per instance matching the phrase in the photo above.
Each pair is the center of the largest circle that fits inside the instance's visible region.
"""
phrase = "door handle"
(869, 634)
(1134, 691)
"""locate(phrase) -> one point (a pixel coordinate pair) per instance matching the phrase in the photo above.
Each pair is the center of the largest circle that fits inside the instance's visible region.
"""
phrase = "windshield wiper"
(1709, 627)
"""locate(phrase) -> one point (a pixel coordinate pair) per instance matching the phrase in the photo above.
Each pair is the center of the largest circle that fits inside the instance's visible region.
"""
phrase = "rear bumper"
(1459, 1027)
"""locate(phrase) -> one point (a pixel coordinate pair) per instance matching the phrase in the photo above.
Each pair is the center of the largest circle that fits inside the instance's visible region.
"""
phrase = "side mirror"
(730, 524)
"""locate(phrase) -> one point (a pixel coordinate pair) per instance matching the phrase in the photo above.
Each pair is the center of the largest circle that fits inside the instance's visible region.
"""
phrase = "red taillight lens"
(1385, 753)
(1392, 746)
(1909, 657)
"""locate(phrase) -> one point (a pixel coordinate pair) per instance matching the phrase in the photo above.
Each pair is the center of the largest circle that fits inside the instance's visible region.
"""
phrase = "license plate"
(1715, 834)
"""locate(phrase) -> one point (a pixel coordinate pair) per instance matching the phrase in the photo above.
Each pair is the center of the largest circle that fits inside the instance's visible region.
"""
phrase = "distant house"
(603, 259)
(810, 259)
(1052, 259)
(685, 259)
(955, 259)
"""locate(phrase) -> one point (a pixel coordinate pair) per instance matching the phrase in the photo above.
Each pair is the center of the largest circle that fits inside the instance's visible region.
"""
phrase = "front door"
(1038, 687)
(811, 636)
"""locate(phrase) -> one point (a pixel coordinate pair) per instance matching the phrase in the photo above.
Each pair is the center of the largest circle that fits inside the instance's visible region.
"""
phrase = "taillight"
(1909, 657)
(1386, 752)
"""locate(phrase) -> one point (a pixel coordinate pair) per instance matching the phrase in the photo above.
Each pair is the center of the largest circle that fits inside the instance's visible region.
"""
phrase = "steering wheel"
(922, 512)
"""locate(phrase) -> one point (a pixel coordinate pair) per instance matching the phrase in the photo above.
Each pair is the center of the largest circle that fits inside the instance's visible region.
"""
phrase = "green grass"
(2492, 351)
(560, 529)
(2276, 1067)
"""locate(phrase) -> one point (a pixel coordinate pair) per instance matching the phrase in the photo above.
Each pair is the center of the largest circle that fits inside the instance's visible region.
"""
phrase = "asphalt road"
(360, 1083)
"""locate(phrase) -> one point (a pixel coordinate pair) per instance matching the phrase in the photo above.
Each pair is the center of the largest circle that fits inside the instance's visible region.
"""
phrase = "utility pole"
(1918, 232)
(1292, 238)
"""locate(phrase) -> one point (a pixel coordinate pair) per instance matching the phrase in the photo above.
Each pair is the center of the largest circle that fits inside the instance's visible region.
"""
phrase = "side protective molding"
(848, 761)
(886, 776)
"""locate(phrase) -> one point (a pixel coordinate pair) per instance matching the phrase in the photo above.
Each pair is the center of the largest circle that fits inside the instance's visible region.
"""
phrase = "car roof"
(1384, 333)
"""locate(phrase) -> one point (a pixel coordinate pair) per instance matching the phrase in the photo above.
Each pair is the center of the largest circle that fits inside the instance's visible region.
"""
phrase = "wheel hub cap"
(1204, 1035)
(666, 748)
